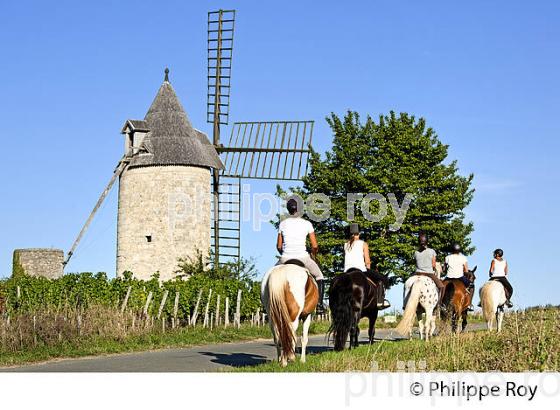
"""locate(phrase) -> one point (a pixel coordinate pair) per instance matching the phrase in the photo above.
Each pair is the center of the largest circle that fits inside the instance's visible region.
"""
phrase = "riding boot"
(382, 303)
(470, 289)
(508, 301)
(320, 306)
(441, 292)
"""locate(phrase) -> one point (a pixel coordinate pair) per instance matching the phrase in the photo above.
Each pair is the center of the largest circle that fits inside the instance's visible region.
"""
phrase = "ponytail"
(351, 241)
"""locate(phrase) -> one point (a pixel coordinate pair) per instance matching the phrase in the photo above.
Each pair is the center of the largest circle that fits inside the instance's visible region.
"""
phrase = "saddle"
(296, 262)
(299, 263)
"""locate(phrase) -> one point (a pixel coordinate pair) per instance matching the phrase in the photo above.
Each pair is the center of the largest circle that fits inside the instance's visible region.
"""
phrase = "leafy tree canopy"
(397, 155)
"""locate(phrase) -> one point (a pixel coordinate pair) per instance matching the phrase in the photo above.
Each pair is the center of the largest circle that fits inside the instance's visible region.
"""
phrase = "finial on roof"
(166, 75)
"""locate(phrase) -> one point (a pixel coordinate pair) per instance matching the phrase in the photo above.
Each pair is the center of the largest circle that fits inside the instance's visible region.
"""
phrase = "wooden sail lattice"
(274, 150)
(268, 150)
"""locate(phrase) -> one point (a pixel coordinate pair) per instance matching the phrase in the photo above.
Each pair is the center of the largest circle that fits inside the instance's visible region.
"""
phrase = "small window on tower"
(148, 238)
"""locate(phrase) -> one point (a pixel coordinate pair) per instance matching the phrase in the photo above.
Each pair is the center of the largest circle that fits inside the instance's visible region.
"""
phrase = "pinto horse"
(289, 295)
(352, 296)
(456, 301)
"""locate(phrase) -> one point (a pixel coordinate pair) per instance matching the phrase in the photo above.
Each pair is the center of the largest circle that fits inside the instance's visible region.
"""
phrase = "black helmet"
(456, 248)
(499, 253)
(354, 229)
(293, 204)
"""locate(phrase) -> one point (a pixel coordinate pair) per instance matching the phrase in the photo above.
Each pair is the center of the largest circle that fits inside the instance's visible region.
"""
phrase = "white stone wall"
(170, 204)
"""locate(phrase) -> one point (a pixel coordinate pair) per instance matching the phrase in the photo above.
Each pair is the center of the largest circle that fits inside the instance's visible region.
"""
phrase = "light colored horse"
(492, 300)
(289, 295)
(420, 298)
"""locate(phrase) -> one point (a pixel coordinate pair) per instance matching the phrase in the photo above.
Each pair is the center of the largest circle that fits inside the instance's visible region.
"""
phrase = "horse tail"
(278, 287)
(487, 302)
(340, 304)
(405, 325)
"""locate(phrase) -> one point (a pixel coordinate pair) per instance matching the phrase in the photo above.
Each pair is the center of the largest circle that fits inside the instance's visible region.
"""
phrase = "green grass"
(529, 342)
(155, 339)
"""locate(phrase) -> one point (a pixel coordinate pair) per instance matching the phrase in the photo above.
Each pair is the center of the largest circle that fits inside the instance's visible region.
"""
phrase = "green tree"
(398, 155)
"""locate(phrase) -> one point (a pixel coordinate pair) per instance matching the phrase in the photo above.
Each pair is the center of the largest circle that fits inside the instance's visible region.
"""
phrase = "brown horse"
(456, 300)
(352, 296)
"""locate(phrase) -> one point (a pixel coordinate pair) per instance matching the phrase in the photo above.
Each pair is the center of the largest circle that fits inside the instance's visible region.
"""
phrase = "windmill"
(273, 150)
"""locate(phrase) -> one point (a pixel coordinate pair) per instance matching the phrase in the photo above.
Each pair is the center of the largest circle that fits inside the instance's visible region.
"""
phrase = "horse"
(420, 296)
(492, 301)
(456, 300)
(289, 294)
(352, 296)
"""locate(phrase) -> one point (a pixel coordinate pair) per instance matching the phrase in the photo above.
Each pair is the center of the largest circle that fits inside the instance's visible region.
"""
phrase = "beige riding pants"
(309, 263)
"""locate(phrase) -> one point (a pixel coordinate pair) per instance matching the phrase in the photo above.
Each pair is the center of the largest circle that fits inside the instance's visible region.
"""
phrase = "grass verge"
(530, 341)
(147, 340)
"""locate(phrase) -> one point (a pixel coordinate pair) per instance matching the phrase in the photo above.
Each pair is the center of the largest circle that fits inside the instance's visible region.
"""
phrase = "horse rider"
(356, 256)
(499, 272)
(292, 235)
(456, 267)
(426, 263)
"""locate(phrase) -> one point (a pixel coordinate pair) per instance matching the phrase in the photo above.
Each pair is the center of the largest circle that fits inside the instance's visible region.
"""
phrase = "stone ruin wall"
(43, 262)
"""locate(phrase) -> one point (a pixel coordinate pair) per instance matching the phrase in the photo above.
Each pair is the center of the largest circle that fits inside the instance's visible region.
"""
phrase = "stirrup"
(470, 308)
(384, 305)
(509, 304)
(319, 309)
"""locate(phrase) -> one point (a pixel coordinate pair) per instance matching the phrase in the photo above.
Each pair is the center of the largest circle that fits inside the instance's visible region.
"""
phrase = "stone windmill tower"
(164, 191)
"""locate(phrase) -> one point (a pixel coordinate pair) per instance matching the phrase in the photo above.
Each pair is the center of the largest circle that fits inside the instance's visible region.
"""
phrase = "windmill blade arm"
(123, 163)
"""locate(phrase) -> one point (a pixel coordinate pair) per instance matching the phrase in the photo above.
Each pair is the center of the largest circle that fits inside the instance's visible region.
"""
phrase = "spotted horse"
(420, 300)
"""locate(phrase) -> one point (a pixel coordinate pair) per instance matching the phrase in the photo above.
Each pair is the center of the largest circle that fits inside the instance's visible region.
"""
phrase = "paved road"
(192, 359)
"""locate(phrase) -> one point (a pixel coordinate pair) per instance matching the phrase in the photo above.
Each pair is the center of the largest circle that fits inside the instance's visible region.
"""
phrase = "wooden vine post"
(206, 318)
(176, 308)
(147, 305)
(218, 311)
(195, 312)
(125, 301)
(226, 313)
(162, 304)
(238, 309)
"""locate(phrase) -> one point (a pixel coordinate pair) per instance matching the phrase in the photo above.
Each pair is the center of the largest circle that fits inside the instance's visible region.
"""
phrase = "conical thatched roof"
(171, 139)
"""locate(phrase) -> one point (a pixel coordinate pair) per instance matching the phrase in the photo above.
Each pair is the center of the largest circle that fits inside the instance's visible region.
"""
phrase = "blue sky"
(483, 74)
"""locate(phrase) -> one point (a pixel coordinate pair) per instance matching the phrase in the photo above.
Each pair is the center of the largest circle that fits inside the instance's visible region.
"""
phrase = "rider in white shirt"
(292, 235)
(356, 256)
(456, 265)
(499, 271)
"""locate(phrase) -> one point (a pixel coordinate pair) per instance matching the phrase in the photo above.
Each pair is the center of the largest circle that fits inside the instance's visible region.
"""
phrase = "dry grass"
(529, 342)
(48, 333)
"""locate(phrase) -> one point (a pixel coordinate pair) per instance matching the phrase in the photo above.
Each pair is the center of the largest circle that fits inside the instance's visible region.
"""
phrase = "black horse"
(352, 296)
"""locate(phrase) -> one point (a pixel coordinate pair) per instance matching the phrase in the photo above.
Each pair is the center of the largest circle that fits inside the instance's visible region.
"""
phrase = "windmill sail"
(268, 150)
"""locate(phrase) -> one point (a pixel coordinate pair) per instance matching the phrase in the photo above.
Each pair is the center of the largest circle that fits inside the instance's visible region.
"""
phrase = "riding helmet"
(292, 206)
(456, 248)
(499, 253)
